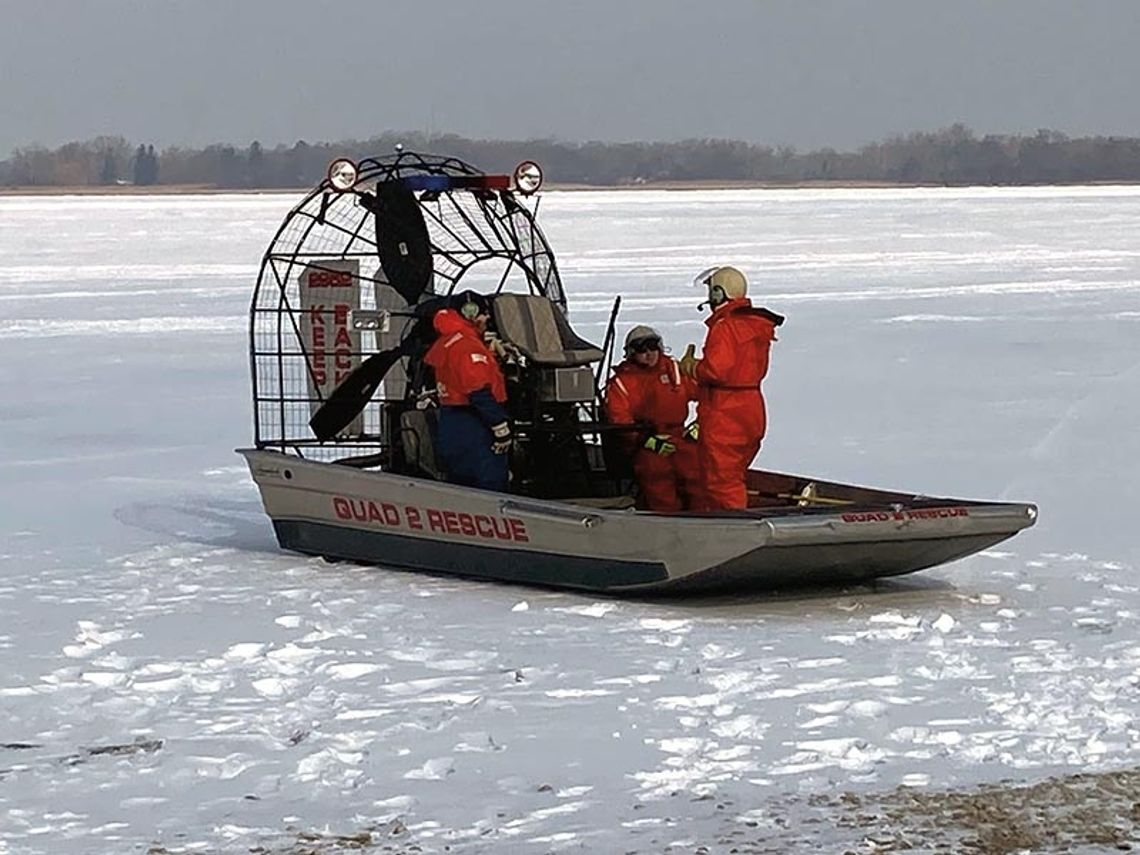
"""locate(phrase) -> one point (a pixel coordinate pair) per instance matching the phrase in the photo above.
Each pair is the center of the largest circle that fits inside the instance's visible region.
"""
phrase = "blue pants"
(463, 445)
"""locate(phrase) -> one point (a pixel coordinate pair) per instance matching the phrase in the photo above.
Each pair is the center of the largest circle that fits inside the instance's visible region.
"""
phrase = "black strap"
(768, 315)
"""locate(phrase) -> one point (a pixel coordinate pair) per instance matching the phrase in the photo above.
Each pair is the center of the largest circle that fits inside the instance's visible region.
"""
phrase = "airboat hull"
(403, 522)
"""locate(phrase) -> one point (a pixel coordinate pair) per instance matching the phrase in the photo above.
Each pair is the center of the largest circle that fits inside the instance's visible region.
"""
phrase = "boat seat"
(419, 450)
(538, 328)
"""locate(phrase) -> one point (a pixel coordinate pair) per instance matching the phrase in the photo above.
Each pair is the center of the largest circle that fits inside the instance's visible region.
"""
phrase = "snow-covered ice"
(170, 679)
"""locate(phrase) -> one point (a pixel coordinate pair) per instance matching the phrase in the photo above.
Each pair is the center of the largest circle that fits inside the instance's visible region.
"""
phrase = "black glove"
(503, 438)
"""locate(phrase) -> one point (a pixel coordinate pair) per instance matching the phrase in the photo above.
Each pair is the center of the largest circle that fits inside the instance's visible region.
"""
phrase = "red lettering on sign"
(329, 278)
(460, 523)
(452, 521)
(518, 530)
(502, 532)
(342, 342)
(902, 516)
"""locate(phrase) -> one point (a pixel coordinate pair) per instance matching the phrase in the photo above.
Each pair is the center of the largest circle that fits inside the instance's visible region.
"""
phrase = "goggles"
(704, 278)
(645, 345)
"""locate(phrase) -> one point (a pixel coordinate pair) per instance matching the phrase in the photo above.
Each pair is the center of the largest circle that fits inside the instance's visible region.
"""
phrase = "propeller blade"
(402, 240)
(354, 393)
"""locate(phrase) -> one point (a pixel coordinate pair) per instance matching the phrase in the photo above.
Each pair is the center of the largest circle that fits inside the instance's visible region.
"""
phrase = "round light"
(528, 177)
(342, 174)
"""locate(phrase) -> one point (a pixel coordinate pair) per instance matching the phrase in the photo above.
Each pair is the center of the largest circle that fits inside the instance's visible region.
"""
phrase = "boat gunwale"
(891, 501)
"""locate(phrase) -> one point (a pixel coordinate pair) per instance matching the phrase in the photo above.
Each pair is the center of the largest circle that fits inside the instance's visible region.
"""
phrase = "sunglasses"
(645, 345)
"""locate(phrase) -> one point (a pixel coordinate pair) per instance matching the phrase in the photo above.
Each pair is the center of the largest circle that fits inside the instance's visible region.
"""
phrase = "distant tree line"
(950, 156)
(144, 168)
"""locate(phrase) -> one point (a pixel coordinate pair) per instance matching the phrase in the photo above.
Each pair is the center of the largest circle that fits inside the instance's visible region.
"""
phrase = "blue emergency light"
(441, 183)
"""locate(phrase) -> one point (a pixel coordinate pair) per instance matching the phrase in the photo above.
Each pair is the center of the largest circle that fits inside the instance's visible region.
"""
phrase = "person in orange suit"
(649, 390)
(473, 435)
(730, 405)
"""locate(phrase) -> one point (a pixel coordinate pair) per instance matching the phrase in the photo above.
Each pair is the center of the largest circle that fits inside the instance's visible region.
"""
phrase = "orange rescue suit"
(463, 363)
(730, 405)
(657, 398)
(472, 394)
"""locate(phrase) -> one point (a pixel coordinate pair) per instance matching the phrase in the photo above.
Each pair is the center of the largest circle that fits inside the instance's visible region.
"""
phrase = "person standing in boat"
(730, 405)
(648, 389)
(474, 432)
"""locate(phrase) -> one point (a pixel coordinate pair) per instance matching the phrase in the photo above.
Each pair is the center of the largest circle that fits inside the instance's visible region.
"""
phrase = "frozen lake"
(170, 681)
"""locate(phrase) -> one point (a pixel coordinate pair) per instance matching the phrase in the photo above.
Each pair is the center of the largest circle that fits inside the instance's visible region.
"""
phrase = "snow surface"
(170, 679)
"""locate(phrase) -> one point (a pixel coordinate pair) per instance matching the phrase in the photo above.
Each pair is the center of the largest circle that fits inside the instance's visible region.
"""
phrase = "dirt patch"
(1082, 813)
(1101, 811)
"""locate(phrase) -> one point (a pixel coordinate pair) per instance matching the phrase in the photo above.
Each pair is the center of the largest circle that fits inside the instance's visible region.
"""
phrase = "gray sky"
(808, 73)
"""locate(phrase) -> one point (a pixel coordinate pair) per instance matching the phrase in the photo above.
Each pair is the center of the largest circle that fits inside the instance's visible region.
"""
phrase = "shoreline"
(210, 190)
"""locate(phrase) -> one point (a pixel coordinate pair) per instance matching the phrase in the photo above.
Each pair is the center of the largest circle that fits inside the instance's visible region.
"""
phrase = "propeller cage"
(345, 272)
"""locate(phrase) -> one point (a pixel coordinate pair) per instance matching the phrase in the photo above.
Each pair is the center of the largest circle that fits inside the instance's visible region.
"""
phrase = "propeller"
(346, 401)
(404, 247)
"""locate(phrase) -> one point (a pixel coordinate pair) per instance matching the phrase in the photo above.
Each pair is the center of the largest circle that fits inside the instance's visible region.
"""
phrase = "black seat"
(538, 328)
(416, 438)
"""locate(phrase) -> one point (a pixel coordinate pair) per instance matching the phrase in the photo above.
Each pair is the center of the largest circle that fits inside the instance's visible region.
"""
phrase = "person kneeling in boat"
(474, 433)
(647, 388)
(730, 406)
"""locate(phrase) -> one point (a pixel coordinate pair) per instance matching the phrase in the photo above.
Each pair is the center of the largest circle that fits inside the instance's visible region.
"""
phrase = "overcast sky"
(807, 73)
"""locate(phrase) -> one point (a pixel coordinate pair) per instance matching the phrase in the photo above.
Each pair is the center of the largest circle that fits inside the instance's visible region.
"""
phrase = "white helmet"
(724, 283)
(640, 333)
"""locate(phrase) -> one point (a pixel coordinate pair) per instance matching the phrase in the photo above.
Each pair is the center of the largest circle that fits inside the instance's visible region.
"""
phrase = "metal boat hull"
(402, 522)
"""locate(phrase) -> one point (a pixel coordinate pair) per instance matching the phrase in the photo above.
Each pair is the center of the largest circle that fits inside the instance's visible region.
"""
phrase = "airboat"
(343, 407)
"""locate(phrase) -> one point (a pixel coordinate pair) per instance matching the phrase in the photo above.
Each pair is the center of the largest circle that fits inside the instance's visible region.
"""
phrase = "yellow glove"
(689, 362)
(660, 444)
